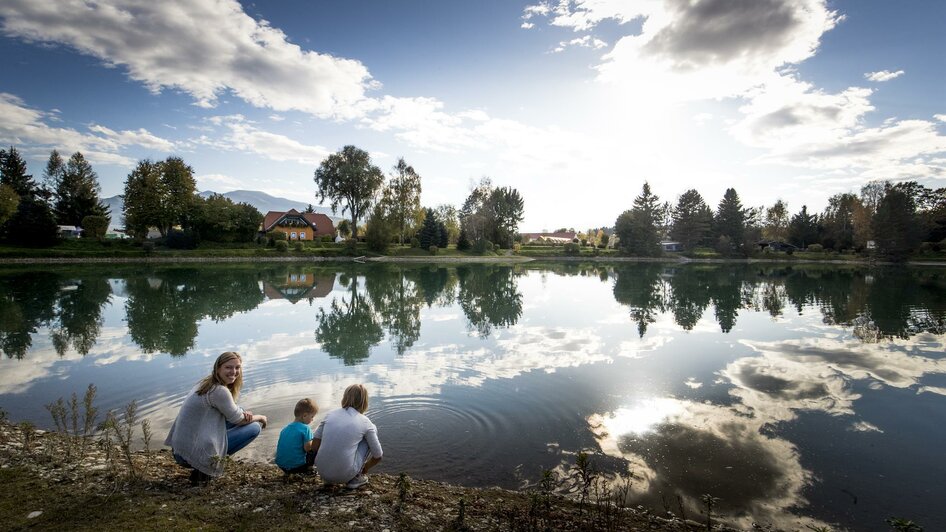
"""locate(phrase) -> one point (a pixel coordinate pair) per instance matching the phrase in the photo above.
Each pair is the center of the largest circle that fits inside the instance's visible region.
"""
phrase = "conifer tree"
(77, 193)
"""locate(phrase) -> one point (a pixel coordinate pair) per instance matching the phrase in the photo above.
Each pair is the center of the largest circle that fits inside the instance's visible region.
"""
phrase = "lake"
(785, 391)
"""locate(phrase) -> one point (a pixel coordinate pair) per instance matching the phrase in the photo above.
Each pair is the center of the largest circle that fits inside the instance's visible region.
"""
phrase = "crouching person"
(294, 452)
(347, 441)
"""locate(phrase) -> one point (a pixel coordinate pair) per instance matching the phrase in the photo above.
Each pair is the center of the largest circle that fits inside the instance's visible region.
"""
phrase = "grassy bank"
(49, 485)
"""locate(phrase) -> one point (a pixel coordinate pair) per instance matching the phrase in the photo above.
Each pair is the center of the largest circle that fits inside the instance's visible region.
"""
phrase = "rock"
(34, 515)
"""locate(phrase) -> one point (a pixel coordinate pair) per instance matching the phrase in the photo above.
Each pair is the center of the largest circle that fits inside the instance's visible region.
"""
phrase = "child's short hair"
(305, 406)
(356, 396)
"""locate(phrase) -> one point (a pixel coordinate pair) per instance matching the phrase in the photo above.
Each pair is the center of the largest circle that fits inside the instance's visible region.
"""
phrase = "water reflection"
(695, 378)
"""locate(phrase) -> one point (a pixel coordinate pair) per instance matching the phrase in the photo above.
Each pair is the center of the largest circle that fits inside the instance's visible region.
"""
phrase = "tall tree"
(448, 215)
(475, 223)
(179, 189)
(730, 221)
(348, 179)
(692, 220)
(506, 209)
(77, 193)
(52, 175)
(803, 229)
(839, 219)
(637, 228)
(13, 174)
(894, 225)
(9, 202)
(402, 194)
(776, 222)
(429, 234)
(143, 198)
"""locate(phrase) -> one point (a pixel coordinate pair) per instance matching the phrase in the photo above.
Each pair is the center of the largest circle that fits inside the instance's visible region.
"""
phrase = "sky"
(575, 103)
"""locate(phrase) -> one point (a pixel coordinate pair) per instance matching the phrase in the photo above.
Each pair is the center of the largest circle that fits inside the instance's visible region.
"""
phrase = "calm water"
(785, 391)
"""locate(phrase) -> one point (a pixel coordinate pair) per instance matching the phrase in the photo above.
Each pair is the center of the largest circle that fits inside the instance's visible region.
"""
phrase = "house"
(298, 225)
(776, 245)
(299, 285)
(669, 245)
(554, 238)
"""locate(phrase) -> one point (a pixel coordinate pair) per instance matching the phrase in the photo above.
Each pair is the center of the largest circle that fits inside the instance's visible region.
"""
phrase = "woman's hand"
(247, 417)
(261, 419)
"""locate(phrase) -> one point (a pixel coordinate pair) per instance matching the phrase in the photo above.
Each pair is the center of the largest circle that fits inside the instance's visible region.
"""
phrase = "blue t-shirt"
(289, 451)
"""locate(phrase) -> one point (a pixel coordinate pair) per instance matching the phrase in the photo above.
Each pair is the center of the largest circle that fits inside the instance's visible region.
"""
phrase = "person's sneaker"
(199, 478)
(357, 482)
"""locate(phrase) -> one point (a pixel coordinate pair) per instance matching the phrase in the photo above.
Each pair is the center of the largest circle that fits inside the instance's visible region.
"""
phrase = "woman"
(346, 442)
(210, 425)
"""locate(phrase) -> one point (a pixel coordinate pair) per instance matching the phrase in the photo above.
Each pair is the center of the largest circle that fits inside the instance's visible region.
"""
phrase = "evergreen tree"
(803, 229)
(463, 243)
(692, 221)
(839, 221)
(143, 193)
(637, 228)
(429, 233)
(77, 193)
(894, 225)
(730, 221)
(33, 224)
(13, 174)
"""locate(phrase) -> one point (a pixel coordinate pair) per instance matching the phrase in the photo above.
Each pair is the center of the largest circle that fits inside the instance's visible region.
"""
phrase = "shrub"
(584, 242)
(433, 249)
(482, 246)
(148, 248)
(282, 246)
(95, 226)
(279, 236)
(298, 246)
(415, 242)
(516, 248)
(327, 239)
(815, 248)
(181, 239)
(571, 248)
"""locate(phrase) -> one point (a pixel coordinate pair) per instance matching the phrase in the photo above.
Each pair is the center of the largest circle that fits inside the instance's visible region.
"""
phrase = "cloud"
(24, 125)
(217, 182)
(690, 50)
(883, 75)
(583, 42)
(243, 135)
(802, 126)
(200, 48)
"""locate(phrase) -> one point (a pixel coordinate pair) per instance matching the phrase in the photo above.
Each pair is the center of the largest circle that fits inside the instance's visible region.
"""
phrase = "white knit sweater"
(199, 433)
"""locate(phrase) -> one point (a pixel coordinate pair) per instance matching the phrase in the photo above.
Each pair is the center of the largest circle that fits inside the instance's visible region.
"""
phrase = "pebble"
(34, 515)
(258, 510)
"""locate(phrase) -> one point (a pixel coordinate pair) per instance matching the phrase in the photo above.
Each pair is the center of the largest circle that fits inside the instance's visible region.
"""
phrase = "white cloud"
(243, 135)
(217, 182)
(707, 49)
(21, 124)
(883, 75)
(586, 41)
(201, 48)
(941, 118)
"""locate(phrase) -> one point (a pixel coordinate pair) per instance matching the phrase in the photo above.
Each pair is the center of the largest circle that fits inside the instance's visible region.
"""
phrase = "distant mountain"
(261, 200)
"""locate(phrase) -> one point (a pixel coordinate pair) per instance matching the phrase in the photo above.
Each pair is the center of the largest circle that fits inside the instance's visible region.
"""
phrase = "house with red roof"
(298, 225)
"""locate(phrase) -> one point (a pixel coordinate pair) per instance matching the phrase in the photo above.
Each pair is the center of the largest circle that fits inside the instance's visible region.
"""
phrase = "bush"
(298, 246)
(181, 239)
(815, 248)
(279, 236)
(95, 226)
(571, 248)
(327, 239)
(516, 248)
(433, 249)
(282, 246)
(482, 246)
(148, 248)
(415, 242)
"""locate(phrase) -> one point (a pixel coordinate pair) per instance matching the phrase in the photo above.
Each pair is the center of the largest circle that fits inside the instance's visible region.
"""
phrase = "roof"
(568, 235)
(315, 219)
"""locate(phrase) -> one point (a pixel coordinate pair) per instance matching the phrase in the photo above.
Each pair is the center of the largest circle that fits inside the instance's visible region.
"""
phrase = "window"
(292, 235)
(302, 235)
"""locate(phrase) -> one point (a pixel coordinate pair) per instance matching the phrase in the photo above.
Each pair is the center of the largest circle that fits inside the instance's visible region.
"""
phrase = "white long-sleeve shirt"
(341, 431)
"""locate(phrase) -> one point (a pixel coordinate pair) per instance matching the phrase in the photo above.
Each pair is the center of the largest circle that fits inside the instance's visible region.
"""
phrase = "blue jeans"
(240, 436)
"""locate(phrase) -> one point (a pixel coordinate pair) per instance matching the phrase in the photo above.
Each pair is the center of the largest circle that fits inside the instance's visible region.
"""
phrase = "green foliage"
(282, 246)
(9, 201)
(159, 194)
(463, 242)
(32, 225)
(298, 246)
(401, 199)
(482, 246)
(433, 249)
(894, 225)
(177, 239)
(730, 222)
(219, 219)
(13, 174)
(380, 230)
(903, 525)
(278, 236)
(95, 226)
(691, 221)
(803, 229)
(77, 192)
(572, 248)
(815, 248)
(638, 228)
(348, 180)
(148, 248)
(491, 214)
(430, 232)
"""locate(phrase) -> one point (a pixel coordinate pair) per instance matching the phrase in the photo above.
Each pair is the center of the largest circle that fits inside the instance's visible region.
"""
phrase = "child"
(347, 441)
(294, 452)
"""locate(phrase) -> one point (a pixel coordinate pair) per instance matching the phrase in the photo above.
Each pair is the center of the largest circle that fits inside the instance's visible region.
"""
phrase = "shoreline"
(105, 489)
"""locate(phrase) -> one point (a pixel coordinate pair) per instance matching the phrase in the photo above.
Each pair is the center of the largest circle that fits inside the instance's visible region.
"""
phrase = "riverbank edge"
(507, 259)
(45, 490)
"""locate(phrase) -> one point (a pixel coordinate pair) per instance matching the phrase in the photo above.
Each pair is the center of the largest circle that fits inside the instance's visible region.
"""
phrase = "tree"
(143, 193)
(637, 228)
(309, 208)
(344, 229)
(95, 226)
(448, 215)
(402, 195)
(803, 229)
(894, 225)
(379, 230)
(691, 221)
(474, 217)
(33, 224)
(8, 203)
(506, 208)
(348, 179)
(52, 175)
(429, 234)
(13, 174)
(159, 194)
(730, 220)
(218, 219)
(776, 222)
(77, 192)
(839, 221)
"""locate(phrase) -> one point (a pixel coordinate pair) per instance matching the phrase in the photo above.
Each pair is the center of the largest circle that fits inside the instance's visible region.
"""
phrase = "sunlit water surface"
(797, 395)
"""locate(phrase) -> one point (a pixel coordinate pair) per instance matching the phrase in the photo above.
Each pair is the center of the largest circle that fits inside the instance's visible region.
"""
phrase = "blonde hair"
(355, 396)
(207, 383)
(305, 406)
